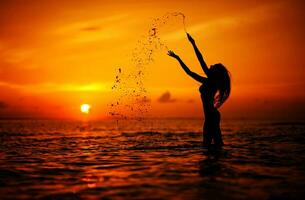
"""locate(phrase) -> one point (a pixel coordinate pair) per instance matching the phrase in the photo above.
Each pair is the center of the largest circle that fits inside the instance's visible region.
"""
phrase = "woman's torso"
(207, 95)
(211, 113)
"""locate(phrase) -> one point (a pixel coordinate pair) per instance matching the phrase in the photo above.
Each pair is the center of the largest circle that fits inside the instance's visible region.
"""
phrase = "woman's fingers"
(190, 37)
(170, 53)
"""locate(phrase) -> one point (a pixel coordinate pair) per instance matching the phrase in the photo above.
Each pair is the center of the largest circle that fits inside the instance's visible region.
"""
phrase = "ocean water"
(150, 159)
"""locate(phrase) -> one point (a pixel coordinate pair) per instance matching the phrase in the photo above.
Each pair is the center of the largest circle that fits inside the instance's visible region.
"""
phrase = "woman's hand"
(189, 37)
(172, 54)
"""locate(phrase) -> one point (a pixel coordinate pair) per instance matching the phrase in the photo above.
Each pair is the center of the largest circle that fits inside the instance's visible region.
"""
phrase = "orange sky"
(56, 55)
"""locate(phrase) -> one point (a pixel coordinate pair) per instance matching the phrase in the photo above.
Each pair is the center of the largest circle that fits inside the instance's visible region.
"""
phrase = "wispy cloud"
(54, 87)
(190, 101)
(83, 24)
(207, 27)
(92, 30)
(217, 25)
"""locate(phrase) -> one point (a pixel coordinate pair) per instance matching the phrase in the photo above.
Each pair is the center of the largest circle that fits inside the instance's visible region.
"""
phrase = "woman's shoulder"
(205, 81)
(203, 85)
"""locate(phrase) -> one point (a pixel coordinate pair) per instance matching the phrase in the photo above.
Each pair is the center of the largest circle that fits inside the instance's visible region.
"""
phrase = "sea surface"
(150, 159)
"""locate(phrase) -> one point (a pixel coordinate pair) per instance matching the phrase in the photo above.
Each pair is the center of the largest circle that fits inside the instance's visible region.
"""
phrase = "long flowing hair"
(222, 81)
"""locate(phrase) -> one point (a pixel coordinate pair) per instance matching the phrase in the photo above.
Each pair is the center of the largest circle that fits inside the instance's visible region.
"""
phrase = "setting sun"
(85, 108)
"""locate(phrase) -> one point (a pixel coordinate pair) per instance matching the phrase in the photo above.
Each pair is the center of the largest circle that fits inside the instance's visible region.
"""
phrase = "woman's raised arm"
(199, 55)
(185, 68)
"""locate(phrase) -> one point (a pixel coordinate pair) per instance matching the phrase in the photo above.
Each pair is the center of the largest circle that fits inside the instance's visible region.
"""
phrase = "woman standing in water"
(215, 89)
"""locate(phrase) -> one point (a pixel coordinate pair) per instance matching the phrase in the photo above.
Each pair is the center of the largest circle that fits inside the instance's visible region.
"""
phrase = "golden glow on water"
(160, 158)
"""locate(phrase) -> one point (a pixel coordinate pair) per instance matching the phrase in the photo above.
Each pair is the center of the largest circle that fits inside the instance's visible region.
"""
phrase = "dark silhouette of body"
(215, 89)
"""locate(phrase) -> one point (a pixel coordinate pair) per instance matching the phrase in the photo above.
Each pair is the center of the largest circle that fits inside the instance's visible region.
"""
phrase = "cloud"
(166, 98)
(91, 28)
(190, 101)
(3, 105)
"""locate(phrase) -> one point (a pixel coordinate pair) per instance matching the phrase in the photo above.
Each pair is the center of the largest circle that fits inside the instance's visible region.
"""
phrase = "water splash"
(131, 99)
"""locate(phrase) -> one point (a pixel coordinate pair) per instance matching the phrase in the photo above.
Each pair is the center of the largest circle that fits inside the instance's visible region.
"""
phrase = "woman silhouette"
(215, 89)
